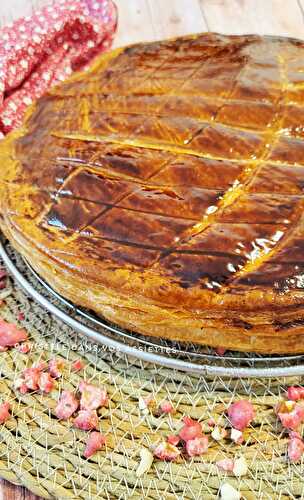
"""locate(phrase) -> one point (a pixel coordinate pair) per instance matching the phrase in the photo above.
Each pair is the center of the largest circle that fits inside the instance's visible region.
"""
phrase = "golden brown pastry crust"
(164, 190)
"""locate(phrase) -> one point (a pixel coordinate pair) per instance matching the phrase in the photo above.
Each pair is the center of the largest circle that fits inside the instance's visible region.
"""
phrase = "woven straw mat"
(45, 455)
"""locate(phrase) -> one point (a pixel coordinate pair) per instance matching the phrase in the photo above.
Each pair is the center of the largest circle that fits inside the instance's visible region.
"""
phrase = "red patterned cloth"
(39, 51)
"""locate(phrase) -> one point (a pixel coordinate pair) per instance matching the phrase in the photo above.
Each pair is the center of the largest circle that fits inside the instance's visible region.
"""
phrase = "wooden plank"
(134, 22)
(176, 17)
(10, 492)
(272, 17)
(301, 5)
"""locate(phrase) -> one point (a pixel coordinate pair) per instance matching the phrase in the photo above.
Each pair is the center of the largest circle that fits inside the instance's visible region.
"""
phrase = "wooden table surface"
(143, 20)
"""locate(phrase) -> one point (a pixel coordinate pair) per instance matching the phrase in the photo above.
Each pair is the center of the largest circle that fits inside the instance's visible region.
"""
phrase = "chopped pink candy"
(295, 393)
(10, 334)
(191, 430)
(211, 422)
(226, 465)
(95, 442)
(31, 377)
(166, 407)
(78, 365)
(46, 383)
(220, 351)
(23, 388)
(21, 385)
(166, 451)
(92, 397)
(40, 365)
(67, 405)
(24, 348)
(173, 440)
(241, 414)
(295, 448)
(197, 446)
(86, 420)
(237, 436)
(4, 412)
(21, 316)
(291, 414)
(56, 367)
(295, 434)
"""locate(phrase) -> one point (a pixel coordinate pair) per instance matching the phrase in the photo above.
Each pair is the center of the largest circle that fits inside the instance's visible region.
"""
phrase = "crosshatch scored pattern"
(142, 20)
(114, 192)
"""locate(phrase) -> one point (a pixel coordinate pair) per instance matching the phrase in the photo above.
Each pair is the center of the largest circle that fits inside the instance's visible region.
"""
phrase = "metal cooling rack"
(187, 357)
